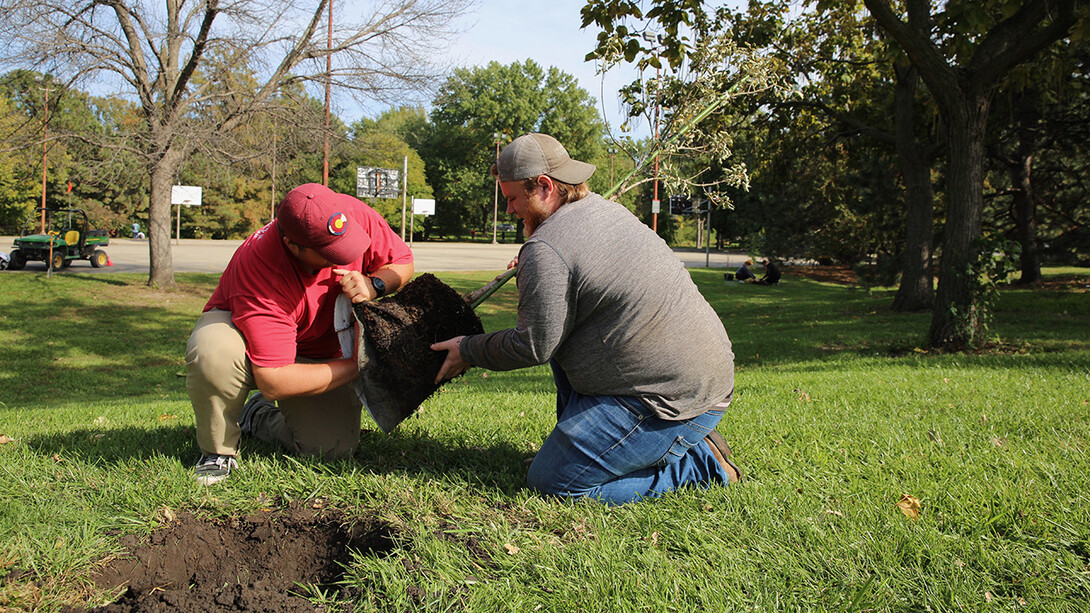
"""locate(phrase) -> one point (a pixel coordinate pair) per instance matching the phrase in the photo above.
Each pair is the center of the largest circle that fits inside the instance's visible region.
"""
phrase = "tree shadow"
(497, 465)
(95, 336)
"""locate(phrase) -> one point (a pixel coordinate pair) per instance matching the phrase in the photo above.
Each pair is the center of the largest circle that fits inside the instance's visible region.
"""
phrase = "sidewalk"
(211, 256)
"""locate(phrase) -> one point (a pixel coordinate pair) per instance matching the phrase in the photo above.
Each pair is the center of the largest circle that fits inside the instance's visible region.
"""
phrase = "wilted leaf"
(910, 506)
(833, 512)
(934, 436)
(511, 549)
(654, 538)
(5, 439)
(165, 417)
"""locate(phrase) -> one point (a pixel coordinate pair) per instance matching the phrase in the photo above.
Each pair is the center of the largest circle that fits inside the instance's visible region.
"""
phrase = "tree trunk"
(916, 292)
(163, 172)
(1025, 208)
(956, 322)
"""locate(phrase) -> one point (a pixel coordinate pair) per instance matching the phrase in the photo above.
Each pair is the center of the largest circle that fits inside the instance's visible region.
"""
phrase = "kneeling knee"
(543, 479)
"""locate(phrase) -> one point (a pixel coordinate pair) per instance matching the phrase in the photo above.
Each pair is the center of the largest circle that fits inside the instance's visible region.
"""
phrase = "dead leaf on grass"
(166, 416)
(934, 436)
(511, 549)
(165, 515)
(999, 441)
(5, 439)
(909, 505)
(833, 512)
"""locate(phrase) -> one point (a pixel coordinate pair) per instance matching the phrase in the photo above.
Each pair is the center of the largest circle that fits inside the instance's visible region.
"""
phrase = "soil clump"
(397, 365)
(260, 563)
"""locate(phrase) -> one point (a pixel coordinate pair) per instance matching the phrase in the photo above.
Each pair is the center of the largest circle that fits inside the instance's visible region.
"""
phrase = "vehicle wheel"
(98, 258)
(18, 260)
(58, 261)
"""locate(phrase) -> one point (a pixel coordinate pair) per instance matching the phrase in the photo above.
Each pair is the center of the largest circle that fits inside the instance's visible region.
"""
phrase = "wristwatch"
(379, 285)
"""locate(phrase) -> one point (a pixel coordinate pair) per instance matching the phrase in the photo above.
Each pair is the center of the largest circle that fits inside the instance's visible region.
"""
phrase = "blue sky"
(547, 32)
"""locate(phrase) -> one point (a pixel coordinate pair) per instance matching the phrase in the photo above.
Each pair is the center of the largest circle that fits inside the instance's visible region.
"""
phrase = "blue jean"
(614, 449)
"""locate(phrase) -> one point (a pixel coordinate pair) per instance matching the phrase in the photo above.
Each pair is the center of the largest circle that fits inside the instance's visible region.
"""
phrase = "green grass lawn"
(839, 412)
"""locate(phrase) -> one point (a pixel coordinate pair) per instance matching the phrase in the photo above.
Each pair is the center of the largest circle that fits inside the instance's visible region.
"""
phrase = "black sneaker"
(246, 421)
(213, 468)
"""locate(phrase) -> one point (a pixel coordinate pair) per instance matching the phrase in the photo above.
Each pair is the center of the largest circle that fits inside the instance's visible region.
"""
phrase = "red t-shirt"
(285, 313)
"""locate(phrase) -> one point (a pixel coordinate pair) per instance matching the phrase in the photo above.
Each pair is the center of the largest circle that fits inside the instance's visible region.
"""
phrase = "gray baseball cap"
(534, 154)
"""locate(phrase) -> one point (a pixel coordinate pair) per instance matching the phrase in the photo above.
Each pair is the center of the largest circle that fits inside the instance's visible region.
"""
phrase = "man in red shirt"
(269, 326)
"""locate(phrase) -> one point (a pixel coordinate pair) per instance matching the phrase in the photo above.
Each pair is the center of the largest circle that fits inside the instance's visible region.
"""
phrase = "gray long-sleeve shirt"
(605, 296)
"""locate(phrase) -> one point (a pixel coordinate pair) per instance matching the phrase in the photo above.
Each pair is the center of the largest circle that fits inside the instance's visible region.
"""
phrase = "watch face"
(379, 285)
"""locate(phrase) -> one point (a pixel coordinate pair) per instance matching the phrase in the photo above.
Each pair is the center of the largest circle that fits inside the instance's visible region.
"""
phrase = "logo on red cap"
(337, 224)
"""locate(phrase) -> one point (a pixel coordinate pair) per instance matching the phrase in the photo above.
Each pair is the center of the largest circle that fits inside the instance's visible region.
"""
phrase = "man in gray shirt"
(643, 367)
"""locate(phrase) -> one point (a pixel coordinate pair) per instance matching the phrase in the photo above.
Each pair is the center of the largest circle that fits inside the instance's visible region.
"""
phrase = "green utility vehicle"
(69, 237)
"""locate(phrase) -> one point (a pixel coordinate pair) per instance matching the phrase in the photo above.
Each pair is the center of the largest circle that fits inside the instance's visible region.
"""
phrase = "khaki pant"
(219, 379)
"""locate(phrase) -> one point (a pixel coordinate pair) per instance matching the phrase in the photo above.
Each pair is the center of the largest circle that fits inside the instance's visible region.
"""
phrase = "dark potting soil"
(256, 563)
(400, 330)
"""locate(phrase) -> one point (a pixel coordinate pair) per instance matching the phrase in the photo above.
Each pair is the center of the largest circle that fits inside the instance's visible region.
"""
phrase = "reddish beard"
(536, 213)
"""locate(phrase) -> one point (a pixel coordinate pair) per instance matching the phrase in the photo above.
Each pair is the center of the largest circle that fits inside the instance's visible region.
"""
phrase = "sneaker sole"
(209, 479)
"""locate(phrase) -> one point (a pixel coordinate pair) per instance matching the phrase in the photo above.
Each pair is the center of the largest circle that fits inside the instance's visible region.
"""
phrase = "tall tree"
(961, 66)
(474, 105)
(155, 52)
(865, 88)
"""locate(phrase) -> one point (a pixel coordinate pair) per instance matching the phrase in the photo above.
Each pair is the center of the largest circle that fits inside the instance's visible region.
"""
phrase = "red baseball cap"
(315, 216)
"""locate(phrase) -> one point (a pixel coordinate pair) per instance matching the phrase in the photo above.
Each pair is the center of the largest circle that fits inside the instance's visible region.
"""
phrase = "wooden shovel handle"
(477, 296)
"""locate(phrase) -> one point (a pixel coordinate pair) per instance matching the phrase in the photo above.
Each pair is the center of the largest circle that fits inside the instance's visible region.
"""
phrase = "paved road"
(196, 255)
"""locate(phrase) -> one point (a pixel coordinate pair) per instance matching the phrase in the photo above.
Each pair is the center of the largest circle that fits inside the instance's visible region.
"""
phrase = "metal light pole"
(45, 139)
(651, 38)
(328, 86)
(496, 136)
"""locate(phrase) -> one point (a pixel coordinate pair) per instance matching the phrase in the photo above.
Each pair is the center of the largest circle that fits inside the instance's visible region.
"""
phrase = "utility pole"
(328, 87)
(496, 136)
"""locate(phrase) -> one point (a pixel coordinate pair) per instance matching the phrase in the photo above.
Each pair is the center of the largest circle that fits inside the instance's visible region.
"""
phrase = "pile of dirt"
(397, 365)
(841, 274)
(257, 563)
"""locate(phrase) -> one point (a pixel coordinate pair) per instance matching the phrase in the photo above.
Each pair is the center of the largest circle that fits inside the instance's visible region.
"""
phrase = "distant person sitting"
(743, 274)
(772, 273)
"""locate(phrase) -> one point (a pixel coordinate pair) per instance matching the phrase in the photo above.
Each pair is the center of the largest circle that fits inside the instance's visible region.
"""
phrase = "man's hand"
(355, 285)
(454, 365)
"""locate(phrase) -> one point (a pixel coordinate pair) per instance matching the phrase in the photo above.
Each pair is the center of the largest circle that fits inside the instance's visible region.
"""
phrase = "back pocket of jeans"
(679, 448)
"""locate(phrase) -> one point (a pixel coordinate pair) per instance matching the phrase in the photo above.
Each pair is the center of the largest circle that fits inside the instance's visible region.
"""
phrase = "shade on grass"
(840, 411)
